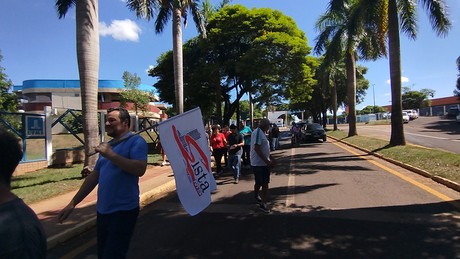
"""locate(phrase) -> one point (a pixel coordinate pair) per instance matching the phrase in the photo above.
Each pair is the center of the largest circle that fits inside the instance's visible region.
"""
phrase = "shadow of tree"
(46, 182)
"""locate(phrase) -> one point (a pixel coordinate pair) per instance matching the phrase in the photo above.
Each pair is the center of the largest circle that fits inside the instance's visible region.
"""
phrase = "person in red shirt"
(218, 143)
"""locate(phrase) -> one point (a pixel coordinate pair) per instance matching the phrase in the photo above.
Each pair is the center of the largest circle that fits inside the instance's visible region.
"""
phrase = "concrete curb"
(157, 193)
(451, 184)
(145, 199)
(69, 233)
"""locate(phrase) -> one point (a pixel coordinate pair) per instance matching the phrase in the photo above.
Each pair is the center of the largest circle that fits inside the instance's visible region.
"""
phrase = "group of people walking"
(230, 143)
(243, 147)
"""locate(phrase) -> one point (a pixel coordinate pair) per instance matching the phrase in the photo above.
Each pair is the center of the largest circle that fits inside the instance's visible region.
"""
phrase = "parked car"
(313, 131)
(413, 114)
(406, 117)
(457, 118)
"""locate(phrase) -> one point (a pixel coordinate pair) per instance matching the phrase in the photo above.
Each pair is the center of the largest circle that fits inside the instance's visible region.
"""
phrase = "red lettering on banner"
(200, 183)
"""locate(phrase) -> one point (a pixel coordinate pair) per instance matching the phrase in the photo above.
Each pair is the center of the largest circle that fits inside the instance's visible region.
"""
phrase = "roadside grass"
(436, 162)
(46, 183)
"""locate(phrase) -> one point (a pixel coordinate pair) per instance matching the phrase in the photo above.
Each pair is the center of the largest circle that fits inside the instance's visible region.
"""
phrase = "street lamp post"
(373, 93)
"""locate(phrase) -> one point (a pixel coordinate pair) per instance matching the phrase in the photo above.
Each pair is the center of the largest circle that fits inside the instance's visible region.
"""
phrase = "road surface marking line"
(405, 178)
(426, 136)
(290, 197)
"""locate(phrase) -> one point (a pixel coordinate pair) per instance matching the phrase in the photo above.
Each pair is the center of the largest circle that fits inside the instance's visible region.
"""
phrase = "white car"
(406, 117)
(413, 114)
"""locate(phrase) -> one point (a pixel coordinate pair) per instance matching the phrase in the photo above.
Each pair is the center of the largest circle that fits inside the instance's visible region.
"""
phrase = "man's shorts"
(261, 174)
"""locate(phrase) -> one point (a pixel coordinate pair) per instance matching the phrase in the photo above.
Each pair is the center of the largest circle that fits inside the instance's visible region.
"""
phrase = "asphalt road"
(327, 200)
(432, 132)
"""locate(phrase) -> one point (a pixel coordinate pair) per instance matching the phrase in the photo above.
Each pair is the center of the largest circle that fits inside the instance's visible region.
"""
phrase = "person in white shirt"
(261, 161)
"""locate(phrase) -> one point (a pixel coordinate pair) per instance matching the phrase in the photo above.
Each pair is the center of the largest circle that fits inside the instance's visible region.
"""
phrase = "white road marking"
(408, 133)
(290, 197)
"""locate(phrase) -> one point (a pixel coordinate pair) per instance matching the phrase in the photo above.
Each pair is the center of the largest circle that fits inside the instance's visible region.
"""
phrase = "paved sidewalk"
(156, 183)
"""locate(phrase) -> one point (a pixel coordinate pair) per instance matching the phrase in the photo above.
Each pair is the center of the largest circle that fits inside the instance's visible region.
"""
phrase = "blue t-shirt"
(119, 190)
(246, 132)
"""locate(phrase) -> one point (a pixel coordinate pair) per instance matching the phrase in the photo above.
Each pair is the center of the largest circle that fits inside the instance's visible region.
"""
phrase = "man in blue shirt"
(117, 172)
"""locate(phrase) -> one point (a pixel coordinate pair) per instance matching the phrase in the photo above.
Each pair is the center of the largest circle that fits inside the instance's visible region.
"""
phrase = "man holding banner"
(121, 162)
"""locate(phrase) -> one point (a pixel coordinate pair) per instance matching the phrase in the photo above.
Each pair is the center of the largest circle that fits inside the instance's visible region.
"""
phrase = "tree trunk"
(351, 93)
(87, 33)
(178, 61)
(218, 90)
(397, 128)
(334, 105)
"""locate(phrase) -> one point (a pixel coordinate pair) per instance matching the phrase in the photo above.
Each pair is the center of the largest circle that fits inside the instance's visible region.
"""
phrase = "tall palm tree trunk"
(351, 93)
(397, 128)
(334, 105)
(87, 30)
(178, 60)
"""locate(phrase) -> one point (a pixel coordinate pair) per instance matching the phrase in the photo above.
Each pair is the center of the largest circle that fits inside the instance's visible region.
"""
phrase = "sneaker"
(236, 181)
(163, 163)
(264, 208)
(258, 199)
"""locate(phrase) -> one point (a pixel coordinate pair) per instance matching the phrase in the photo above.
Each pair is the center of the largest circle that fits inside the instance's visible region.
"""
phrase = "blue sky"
(35, 44)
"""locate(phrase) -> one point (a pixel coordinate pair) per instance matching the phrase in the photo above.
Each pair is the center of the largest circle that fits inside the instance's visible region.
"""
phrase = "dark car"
(313, 131)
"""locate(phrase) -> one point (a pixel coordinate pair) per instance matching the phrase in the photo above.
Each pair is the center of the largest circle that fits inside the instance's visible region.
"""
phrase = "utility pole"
(373, 93)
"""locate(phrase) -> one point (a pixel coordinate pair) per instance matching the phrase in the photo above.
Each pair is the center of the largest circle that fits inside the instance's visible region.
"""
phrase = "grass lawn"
(436, 162)
(49, 182)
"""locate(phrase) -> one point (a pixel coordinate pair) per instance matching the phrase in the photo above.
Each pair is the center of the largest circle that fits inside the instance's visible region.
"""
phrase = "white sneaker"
(163, 163)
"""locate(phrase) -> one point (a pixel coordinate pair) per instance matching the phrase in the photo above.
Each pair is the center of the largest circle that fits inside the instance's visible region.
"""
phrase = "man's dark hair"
(10, 155)
(124, 114)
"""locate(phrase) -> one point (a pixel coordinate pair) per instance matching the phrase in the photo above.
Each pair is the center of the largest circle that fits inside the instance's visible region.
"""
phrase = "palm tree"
(177, 9)
(338, 39)
(87, 30)
(332, 75)
(386, 17)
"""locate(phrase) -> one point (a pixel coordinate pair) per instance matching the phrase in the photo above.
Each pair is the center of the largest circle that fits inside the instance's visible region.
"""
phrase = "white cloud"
(123, 30)
(403, 80)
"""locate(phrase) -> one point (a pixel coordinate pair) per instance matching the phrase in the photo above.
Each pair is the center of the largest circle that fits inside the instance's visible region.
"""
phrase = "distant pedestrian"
(21, 233)
(161, 151)
(218, 144)
(246, 132)
(117, 172)
(261, 161)
(274, 137)
(235, 149)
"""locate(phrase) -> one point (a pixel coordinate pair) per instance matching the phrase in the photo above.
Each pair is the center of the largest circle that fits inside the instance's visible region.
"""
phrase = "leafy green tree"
(8, 101)
(370, 109)
(74, 123)
(132, 94)
(198, 85)
(87, 30)
(245, 111)
(258, 51)
(416, 99)
(386, 17)
(266, 55)
(178, 10)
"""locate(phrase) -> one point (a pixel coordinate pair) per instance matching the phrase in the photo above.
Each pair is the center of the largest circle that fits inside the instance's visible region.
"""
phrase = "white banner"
(184, 141)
